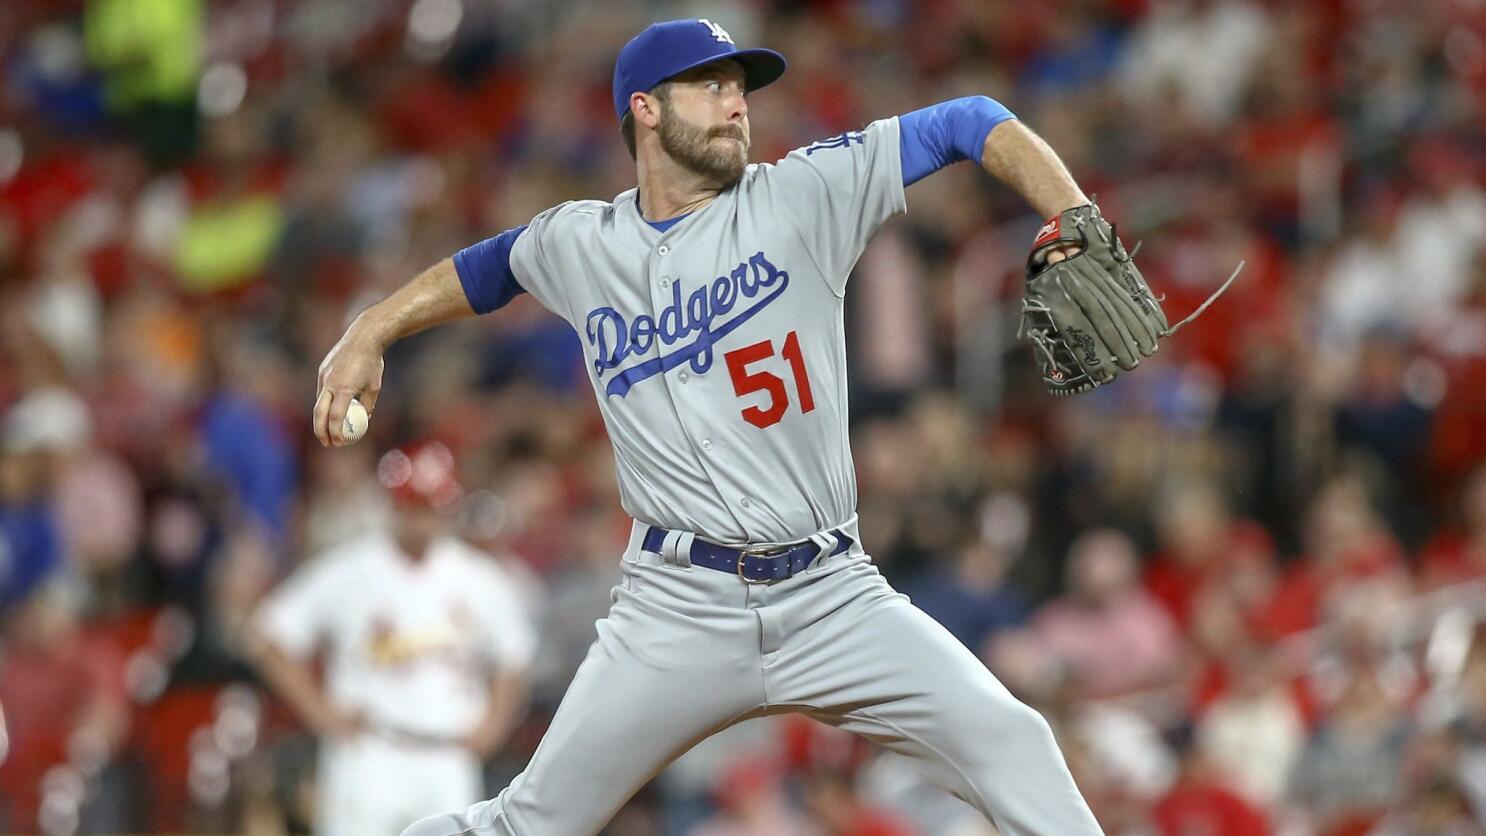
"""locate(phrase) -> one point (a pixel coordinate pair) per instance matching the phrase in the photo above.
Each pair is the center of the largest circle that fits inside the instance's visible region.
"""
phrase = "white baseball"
(356, 421)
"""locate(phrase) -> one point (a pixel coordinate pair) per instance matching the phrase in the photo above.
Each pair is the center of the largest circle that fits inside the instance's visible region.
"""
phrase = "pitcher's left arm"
(982, 129)
(1087, 309)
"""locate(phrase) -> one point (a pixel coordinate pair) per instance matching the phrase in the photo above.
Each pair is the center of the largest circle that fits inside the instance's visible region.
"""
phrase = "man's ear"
(646, 109)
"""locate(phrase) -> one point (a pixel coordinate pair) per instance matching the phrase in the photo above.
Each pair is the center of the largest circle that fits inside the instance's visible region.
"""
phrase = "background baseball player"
(425, 644)
(710, 304)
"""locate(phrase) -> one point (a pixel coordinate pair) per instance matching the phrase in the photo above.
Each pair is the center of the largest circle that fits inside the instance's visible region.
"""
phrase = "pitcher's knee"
(1010, 732)
(448, 824)
(1028, 726)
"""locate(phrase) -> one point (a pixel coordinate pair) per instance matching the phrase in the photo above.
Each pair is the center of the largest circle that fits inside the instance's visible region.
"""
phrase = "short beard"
(692, 147)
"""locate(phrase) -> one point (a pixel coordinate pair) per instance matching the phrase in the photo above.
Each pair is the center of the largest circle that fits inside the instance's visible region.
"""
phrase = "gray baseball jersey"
(717, 351)
(717, 348)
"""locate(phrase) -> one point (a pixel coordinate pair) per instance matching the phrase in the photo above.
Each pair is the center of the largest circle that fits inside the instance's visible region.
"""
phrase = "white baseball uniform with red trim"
(410, 646)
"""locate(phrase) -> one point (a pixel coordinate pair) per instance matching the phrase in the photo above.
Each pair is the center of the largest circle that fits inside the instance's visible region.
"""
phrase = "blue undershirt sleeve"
(946, 133)
(485, 271)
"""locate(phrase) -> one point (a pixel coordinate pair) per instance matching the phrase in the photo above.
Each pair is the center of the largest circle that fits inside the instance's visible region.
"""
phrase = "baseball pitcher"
(709, 303)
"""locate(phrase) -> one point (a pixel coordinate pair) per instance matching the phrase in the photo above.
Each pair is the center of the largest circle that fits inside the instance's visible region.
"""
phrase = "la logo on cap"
(718, 32)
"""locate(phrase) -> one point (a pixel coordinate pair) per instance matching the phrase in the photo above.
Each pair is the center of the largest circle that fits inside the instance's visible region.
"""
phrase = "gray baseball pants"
(688, 651)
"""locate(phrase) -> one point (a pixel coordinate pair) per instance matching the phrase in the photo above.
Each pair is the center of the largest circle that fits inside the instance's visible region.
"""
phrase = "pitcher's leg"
(882, 668)
(652, 686)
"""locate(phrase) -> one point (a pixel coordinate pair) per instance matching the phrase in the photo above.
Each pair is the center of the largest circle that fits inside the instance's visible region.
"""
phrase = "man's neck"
(668, 191)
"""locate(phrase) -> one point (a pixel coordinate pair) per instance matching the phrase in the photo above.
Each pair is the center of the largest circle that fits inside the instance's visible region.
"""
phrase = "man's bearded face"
(719, 153)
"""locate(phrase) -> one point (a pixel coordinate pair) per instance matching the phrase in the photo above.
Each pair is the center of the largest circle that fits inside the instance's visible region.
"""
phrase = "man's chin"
(725, 174)
(731, 176)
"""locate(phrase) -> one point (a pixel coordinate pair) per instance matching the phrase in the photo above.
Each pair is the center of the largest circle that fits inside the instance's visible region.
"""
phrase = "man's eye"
(714, 86)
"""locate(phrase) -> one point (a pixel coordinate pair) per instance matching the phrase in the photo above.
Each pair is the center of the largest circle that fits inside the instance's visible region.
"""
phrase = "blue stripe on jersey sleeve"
(946, 133)
(485, 271)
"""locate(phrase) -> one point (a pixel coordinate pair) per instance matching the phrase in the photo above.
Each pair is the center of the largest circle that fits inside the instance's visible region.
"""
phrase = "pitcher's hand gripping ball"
(356, 422)
(1092, 314)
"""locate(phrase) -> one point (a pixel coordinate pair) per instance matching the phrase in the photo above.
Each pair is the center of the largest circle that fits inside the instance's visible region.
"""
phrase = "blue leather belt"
(755, 565)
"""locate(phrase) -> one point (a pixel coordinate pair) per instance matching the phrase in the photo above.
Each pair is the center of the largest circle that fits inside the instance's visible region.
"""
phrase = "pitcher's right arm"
(475, 280)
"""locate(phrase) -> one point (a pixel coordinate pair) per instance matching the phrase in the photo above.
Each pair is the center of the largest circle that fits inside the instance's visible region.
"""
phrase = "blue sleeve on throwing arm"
(485, 271)
(946, 133)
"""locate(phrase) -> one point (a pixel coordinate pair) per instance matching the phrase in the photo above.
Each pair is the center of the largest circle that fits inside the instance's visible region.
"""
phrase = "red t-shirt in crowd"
(1208, 810)
(1177, 585)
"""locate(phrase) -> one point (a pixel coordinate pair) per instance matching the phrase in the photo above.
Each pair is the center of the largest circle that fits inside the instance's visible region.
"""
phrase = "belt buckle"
(758, 551)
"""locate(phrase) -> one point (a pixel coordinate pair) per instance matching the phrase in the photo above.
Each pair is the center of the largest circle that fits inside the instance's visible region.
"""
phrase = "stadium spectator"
(1109, 630)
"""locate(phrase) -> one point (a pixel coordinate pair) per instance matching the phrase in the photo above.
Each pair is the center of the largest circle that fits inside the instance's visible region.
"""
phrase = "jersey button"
(663, 249)
(683, 377)
(665, 282)
(746, 503)
(706, 444)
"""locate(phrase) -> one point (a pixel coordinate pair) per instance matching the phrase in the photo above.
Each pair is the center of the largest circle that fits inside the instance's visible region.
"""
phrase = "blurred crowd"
(1243, 583)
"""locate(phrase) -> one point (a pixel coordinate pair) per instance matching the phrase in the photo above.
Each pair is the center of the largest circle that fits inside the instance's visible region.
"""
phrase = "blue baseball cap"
(668, 49)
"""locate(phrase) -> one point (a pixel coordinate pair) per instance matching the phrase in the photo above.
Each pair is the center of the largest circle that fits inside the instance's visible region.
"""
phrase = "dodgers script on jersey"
(717, 348)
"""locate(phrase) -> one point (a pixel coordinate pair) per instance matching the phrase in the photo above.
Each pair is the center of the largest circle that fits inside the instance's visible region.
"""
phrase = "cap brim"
(761, 67)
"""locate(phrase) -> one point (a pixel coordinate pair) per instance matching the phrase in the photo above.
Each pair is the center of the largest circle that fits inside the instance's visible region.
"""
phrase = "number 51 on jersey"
(746, 382)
